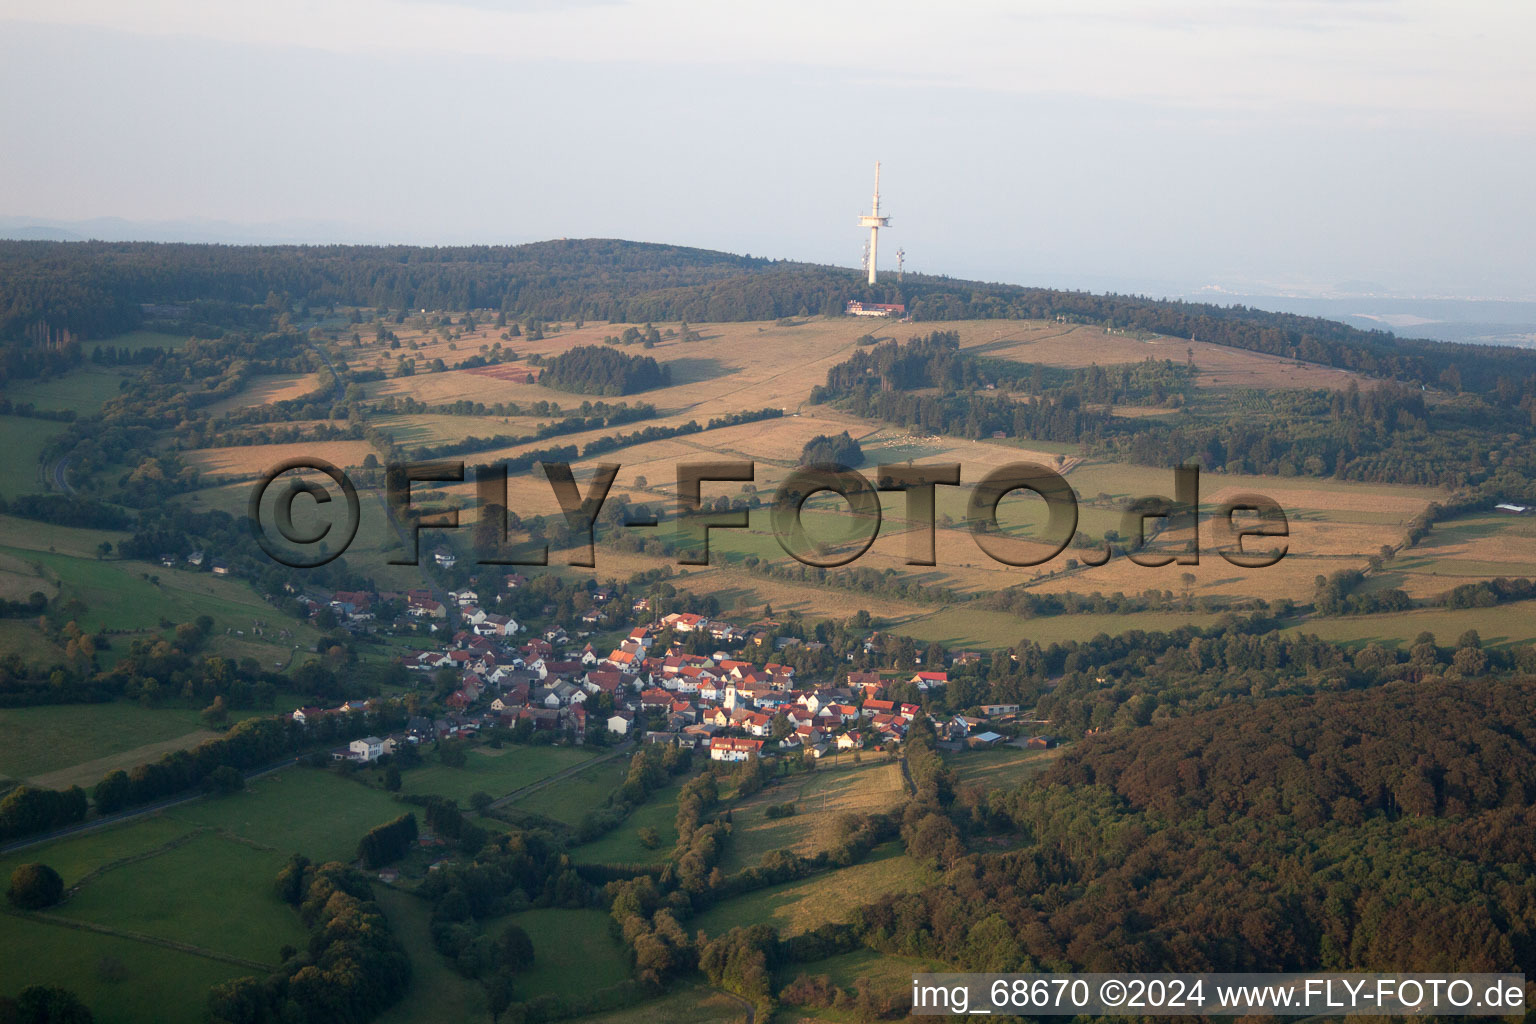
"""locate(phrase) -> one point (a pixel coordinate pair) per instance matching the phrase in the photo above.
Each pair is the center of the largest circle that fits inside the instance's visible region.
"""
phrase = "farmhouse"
(927, 680)
(370, 748)
(733, 748)
(351, 602)
(857, 308)
(685, 622)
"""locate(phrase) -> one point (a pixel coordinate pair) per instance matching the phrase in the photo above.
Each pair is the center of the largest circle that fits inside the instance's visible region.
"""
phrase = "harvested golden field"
(264, 430)
(799, 906)
(736, 366)
(35, 535)
(264, 390)
(1464, 551)
(87, 773)
(736, 589)
(1074, 345)
(466, 385)
(19, 579)
(752, 365)
(438, 428)
(248, 460)
(820, 799)
(1332, 525)
(1004, 767)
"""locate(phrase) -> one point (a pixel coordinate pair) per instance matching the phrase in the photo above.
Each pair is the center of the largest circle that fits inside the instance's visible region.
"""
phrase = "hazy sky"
(1162, 146)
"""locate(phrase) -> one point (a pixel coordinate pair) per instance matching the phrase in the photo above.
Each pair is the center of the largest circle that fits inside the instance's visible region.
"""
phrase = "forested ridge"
(1380, 830)
(98, 289)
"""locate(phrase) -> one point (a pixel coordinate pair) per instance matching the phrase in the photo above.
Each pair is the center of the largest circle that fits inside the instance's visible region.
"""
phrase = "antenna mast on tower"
(874, 222)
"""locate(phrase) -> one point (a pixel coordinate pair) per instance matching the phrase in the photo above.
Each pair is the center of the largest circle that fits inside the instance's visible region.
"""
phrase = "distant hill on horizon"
(99, 289)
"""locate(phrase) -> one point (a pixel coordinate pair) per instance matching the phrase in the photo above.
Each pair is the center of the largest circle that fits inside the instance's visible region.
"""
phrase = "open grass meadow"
(497, 772)
(155, 877)
(1501, 626)
(883, 969)
(437, 992)
(801, 905)
(191, 893)
(820, 798)
(25, 438)
(25, 639)
(1464, 550)
(82, 390)
(77, 856)
(121, 980)
(39, 741)
(999, 768)
(571, 949)
(35, 535)
(265, 389)
(317, 812)
(136, 597)
(886, 974)
(571, 798)
(86, 774)
(623, 845)
(247, 461)
(697, 1005)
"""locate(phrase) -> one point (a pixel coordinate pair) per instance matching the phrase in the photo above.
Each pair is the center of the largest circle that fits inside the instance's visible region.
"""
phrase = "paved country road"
(56, 478)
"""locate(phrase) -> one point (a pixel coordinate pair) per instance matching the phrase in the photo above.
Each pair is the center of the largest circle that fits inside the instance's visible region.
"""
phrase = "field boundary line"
(548, 780)
(152, 940)
(134, 858)
(743, 1001)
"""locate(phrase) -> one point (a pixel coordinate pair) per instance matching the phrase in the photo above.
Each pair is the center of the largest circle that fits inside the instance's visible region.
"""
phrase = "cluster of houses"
(732, 708)
(195, 560)
(361, 609)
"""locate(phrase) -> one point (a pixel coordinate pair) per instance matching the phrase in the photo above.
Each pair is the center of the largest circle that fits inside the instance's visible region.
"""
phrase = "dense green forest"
(841, 450)
(595, 370)
(1382, 830)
